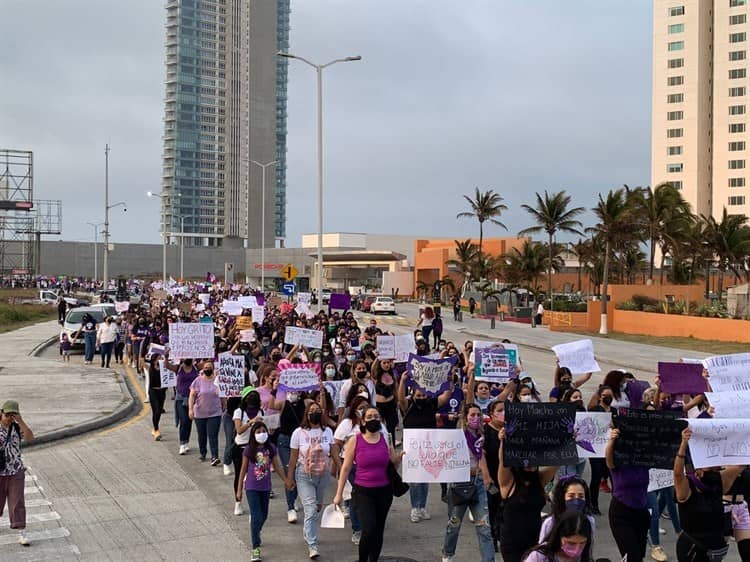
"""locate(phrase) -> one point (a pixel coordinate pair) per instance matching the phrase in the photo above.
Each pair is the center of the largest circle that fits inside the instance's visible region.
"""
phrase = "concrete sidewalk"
(58, 399)
(625, 354)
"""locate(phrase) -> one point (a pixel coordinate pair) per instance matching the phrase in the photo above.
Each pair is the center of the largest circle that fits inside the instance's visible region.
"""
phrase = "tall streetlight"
(163, 197)
(263, 223)
(95, 225)
(319, 71)
(182, 248)
(107, 207)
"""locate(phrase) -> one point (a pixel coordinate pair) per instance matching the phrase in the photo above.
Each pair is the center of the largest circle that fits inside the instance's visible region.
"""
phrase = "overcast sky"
(513, 95)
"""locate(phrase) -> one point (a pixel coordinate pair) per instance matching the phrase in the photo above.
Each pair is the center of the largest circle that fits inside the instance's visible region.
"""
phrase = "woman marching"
(255, 479)
(205, 407)
(243, 418)
(471, 495)
(372, 492)
(569, 541)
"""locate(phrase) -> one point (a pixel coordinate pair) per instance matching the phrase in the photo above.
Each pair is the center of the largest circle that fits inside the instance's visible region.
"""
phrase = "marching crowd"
(310, 439)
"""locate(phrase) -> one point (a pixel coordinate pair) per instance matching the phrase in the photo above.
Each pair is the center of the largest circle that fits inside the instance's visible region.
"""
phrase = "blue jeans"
(353, 515)
(105, 351)
(208, 427)
(418, 495)
(426, 331)
(571, 470)
(284, 452)
(183, 420)
(657, 501)
(311, 491)
(258, 504)
(89, 345)
(481, 523)
(227, 423)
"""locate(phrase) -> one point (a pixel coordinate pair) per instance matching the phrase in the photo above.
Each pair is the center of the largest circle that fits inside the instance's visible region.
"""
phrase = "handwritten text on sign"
(309, 338)
(539, 434)
(592, 433)
(436, 455)
(728, 373)
(659, 478)
(300, 376)
(230, 377)
(168, 378)
(647, 438)
(191, 340)
(719, 442)
(432, 376)
(578, 356)
(730, 404)
(386, 346)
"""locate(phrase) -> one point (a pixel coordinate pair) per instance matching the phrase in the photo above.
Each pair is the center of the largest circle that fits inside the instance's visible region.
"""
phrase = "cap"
(247, 390)
(10, 407)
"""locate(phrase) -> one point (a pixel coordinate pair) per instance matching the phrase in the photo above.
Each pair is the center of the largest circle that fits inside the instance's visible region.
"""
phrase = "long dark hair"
(354, 406)
(558, 496)
(252, 444)
(613, 380)
(568, 524)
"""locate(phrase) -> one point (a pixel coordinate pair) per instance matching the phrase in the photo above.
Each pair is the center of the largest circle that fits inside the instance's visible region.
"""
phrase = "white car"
(74, 318)
(384, 305)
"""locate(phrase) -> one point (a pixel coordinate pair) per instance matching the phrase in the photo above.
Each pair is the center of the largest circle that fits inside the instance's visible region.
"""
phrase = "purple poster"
(682, 378)
(340, 302)
(432, 376)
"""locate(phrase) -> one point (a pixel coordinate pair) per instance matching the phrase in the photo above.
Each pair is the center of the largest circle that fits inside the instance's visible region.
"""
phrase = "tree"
(465, 261)
(528, 263)
(581, 251)
(422, 289)
(552, 215)
(486, 206)
(729, 240)
(615, 224)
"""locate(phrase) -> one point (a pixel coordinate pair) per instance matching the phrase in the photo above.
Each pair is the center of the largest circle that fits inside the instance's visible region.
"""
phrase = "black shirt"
(421, 418)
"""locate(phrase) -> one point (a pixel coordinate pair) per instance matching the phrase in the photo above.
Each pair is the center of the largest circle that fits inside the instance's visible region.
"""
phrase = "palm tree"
(422, 288)
(729, 239)
(615, 224)
(581, 251)
(528, 263)
(552, 215)
(485, 207)
(465, 262)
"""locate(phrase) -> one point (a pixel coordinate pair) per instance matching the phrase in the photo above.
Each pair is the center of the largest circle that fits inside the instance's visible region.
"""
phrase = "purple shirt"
(372, 463)
(259, 469)
(630, 485)
(207, 402)
(184, 380)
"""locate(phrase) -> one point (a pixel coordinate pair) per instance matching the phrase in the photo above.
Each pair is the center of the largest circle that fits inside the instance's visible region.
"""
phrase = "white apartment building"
(700, 102)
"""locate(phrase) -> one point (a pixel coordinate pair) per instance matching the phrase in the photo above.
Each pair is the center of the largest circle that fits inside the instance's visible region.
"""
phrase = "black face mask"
(565, 384)
(275, 357)
(421, 402)
(208, 372)
(315, 417)
(360, 374)
(607, 400)
(579, 405)
(373, 426)
(253, 401)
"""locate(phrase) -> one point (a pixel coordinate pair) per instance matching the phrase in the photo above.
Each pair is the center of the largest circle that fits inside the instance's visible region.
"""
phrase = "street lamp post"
(263, 223)
(107, 207)
(163, 197)
(96, 225)
(182, 248)
(319, 72)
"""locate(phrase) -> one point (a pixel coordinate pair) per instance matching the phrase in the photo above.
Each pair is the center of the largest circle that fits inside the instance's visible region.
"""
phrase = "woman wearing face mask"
(527, 391)
(105, 338)
(699, 500)
(186, 374)
(491, 445)
(569, 541)
(360, 375)
(312, 449)
(573, 396)
(599, 471)
(330, 372)
(479, 392)
(372, 493)
(523, 497)
(157, 394)
(243, 418)
(255, 479)
(291, 417)
(205, 407)
(570, 494)
(478, 505)
(564, 381)
(385, 394)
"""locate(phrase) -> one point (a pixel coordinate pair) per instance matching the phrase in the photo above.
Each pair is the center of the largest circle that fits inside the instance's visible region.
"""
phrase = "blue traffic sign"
(289, 289)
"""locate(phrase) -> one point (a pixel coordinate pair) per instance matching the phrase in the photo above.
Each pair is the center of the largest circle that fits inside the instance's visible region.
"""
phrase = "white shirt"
(347, 428)
(303, 439)
(107, 333)
(244, 437)
(347, 386)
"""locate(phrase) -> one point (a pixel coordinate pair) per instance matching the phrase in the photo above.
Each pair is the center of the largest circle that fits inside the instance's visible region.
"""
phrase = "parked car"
(327, 296)
(74, 319)
(367, 303)
(383, 305)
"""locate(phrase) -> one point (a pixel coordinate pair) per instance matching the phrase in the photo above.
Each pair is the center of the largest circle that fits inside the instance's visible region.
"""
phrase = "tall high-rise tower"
(225, 107)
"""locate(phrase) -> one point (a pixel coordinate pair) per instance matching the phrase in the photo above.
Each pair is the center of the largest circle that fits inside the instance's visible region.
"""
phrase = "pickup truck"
(50, 296)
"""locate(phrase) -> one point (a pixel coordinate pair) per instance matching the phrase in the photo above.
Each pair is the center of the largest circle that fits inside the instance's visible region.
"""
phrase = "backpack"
(316, 459)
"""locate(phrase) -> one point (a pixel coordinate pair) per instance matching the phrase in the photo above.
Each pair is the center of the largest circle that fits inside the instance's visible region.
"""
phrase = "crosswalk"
(49, 538)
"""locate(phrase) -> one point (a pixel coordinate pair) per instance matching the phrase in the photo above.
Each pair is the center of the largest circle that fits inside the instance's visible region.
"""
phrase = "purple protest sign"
(682, 378)
(432, 376)
(340, 302)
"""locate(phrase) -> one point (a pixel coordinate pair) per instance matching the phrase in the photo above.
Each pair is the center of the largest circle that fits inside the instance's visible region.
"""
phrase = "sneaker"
(228, 469)
(662, 531)
(255, 557)
(604, 487)
(471, 516)
(183, 449)
(658, 554)
(313, 552)
(271, 494)
(345, 511)
(415, 515)
(202, 458)
(23, 538)
(356, 537)
(424, 515)
(238, 508)
(447, 558)
(215, 461)
(157, 435)
(291, 516)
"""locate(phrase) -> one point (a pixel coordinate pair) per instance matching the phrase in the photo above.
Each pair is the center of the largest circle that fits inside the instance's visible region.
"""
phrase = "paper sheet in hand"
(728, 373)
(733, 405)
(312, 339)
(578, 356)
(719, 442)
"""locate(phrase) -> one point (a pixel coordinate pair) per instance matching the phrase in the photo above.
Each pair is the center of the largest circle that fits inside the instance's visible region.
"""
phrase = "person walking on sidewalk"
(186, 374)
(12, 472)
(106, 335)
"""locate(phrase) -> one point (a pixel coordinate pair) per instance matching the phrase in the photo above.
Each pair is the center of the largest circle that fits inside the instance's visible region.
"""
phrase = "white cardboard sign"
(230, 376)
(191, 340)
(578, 356)
(719, 442)
(728, 373)
(435, 455)
(168, 378)
(312, 339)
(592, 433)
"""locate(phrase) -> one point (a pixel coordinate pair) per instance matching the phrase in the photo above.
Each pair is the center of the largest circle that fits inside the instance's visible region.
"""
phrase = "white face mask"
(525, 398)
(330, 373)
(292, 397)
(364, 395)
(261, 437)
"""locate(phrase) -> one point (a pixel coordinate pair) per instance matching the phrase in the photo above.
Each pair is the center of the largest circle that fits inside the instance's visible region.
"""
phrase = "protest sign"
(168, 378)
(303, 309)
(404, 345)
(299, 376)
(334, 389)
(578, 356)
(648, 438)
(247, 301)
(659, 478)
(719, 442)
(309, 338)
(539, 434)
(122, 306)
(230, 374)
(200, 307)
(733, 405)
(185, 307)
(510, 348)
(204, 298)
(494, 365)
(304, 298)
(435, 455)
(154, 349)
(191, 340)
(386, 346)
(259, 314)
(681, 378)
(232, 308)
(247, 336)
(340, 302)
(432, 376)
(728, 373)
(274, 301)
(244, 322)
(592, 433)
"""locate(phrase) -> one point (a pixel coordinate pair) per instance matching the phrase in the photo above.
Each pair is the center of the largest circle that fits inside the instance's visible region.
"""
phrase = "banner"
(299, 376)
(733, 405)
(659, 478)
(728, 373)
(312, 339)
(230, 375)
(435, 455)
(681, 378)
(592, 433)
(578, 356)
(494, 365)
(259, 314)
(121, 307)
(432, 376)
(539, 434)
(386, 347)
(168, 378)
(191, 340)
(719, 442)
(244, 322)
(648, 438)
(404, 345)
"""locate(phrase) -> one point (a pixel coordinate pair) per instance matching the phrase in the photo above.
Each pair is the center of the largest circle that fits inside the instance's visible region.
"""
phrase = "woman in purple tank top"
(372, 494)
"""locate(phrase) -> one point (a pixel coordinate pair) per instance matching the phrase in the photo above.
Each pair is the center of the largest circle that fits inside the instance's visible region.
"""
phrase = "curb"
(132, 404)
